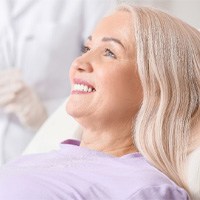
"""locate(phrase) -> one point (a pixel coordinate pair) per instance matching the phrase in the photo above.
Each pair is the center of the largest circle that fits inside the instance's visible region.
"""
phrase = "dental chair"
(60, 126)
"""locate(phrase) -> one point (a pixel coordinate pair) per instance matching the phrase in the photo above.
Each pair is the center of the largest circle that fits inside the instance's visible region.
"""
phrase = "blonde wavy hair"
(168, 63)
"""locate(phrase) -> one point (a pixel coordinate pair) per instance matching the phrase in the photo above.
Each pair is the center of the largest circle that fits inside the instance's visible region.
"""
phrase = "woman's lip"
(80, 92)
(83, 82)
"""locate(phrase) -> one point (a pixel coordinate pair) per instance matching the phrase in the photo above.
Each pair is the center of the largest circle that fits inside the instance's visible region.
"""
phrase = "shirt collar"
(72, 142)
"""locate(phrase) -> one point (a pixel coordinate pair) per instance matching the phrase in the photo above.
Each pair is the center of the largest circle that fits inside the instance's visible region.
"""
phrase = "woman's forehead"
(117, 25)
(115, 22)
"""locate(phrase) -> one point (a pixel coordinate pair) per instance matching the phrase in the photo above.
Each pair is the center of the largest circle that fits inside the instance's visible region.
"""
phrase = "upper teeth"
(81, 87)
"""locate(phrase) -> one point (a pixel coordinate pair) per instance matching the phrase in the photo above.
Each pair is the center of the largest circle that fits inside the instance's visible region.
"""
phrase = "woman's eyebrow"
(108, 39)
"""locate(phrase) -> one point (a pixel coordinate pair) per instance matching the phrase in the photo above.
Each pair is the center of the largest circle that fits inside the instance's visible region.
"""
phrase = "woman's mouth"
(82, 87)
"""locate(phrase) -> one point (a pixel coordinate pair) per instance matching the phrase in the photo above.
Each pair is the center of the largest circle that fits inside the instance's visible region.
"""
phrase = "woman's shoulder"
(150, 183)
(158, 192)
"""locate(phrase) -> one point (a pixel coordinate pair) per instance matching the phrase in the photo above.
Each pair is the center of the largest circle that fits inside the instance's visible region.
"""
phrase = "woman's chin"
(73, 108)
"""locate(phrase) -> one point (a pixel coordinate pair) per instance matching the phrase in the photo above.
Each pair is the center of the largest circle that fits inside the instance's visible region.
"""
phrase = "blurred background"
(187, 10)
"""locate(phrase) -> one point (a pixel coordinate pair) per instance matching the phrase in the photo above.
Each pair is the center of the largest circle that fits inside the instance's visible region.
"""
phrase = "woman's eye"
(84, 49)
(109, 53)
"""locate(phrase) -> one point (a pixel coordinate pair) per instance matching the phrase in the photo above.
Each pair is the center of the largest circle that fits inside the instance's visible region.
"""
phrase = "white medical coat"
(42, 37)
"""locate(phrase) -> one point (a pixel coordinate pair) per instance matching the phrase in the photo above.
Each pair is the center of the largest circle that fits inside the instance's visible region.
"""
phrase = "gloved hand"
(18, 98)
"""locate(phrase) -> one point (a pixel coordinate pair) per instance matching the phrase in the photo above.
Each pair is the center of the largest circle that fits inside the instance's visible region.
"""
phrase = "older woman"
(136, 93)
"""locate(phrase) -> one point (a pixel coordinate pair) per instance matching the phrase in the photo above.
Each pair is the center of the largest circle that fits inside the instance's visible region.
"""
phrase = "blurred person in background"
(38, 41)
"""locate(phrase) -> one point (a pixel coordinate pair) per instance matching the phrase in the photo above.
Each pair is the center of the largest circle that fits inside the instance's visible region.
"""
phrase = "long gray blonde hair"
(168, 63)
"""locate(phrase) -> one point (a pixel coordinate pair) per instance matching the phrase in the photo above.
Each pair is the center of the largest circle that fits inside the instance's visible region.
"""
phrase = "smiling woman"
(136, 93)
(108, 65)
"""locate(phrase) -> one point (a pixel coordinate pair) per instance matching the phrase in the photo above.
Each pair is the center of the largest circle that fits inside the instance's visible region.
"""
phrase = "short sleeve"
(164, 192)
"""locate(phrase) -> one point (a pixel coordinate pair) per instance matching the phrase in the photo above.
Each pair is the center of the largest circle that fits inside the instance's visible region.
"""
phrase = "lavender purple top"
(78, 173)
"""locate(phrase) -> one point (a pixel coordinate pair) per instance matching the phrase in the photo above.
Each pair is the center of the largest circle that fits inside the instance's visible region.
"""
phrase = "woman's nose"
(82, 64)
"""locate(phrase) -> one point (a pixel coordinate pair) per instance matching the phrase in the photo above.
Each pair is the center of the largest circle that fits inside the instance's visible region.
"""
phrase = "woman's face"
(105, 84)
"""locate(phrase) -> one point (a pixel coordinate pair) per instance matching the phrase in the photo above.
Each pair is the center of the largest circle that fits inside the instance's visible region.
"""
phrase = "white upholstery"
(194, 173)
(58, 127)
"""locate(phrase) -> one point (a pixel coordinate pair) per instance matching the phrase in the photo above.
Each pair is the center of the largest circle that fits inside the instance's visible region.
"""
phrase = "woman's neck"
(113, 143)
